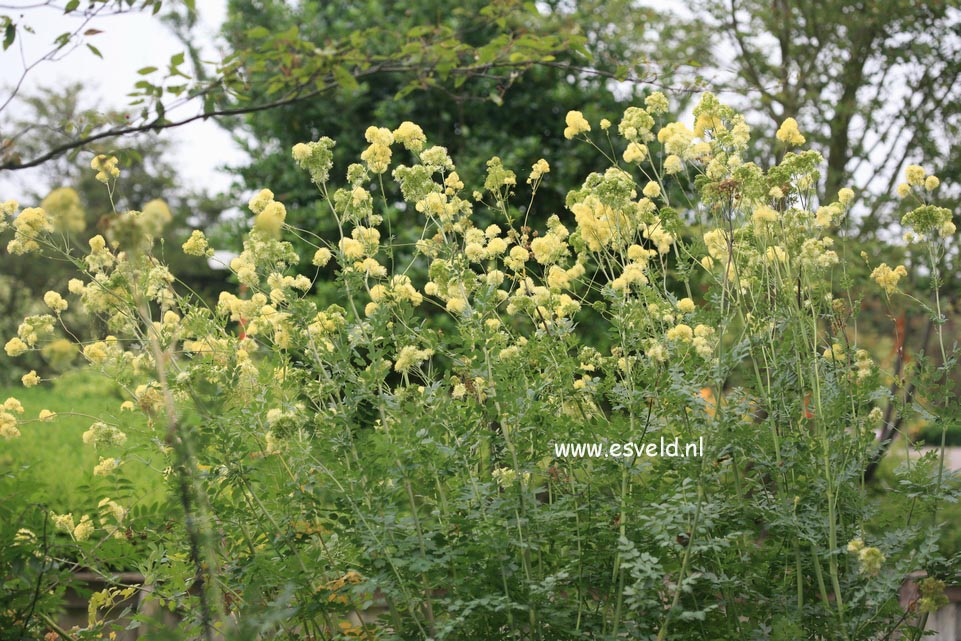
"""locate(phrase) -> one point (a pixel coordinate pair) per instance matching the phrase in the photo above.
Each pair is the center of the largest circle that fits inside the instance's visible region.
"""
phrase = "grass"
(53, 455)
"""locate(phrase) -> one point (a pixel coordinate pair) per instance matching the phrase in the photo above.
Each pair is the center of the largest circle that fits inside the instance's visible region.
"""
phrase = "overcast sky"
(129, 42)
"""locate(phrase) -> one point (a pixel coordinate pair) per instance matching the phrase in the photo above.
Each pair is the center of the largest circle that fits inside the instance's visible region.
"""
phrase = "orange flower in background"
(710, 404)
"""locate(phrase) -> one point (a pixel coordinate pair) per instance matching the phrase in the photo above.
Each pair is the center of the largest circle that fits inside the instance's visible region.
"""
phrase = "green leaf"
(146, 70)
(407, 89)
(210, 104)
(419, 31)
(9, 35)
(95, 51)
(177, 59)
(345, 79)
(71, 6)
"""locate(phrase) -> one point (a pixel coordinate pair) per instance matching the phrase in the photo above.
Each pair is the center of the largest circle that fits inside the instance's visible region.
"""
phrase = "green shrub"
(400, 449)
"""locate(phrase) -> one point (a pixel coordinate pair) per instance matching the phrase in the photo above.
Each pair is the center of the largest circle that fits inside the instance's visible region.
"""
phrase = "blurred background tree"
(474, 118)
(873, 83)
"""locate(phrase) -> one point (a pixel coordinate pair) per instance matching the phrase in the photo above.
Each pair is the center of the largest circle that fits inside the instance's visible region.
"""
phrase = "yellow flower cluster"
(538, 169)
(149, 398)
(673, 164)
(542, 305)
(112, 511)
(657, 103)
(99, 351)
(99, 259)
(636, 125)
(506, 477)
(635, 152)
(764, 215)
(321, 257)
(274, 322)
(680, 333)
(498, 176)
(29, 225)
(8, 420)
(700, 337)
(602, 225)
(702, 342)
(281, 284)
(106, 466)
(30, 379)
(633, 274)
(410, 135)
(437, 159)
(917, 177)
(197, 245)
(456, 305)
(816, 253)
(63, 206)
(377, 155)
(864, 363)
(15, 347)
(399, 290)
(106, 167)
(888, 278)
(410, 357)
(789, 133)
(100, 434)
(269, 214)
(869, 558)
(80, 532)
(834, 353)
(576, 124)
(657, 234)
(55, 301)
(8, 208)
(155, 216)
(933, 596)
(439, 206)
(716, 242)
(59, 353)
(826, 216)
(676, 138)
(559, 278)
(30, 331)
(707, 121)
(551, 247)
(261, 249)
(315, 157)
